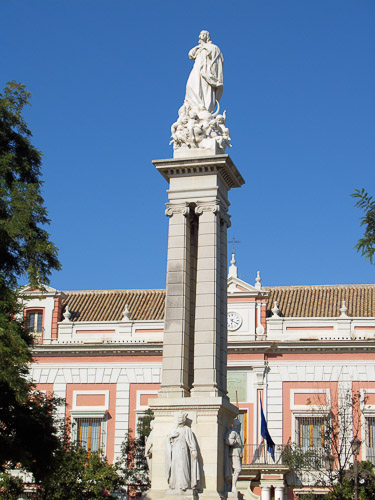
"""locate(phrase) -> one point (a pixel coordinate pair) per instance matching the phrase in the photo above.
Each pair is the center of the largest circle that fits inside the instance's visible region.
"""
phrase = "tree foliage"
(27, 433)
(328, 465)
(366, 484)
(366, 245)
(132, 464)
(24, 243)
(79, 475)
(11, 488)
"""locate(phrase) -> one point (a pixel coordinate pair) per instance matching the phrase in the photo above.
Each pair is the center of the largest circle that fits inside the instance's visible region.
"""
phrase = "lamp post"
(356, 444)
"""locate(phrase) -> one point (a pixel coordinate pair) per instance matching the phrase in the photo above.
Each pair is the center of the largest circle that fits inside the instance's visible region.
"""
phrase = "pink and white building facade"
(101, 352)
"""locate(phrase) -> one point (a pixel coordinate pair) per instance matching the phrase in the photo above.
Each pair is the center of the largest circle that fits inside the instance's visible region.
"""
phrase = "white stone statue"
(233, 455)
(148, 446)
(205, 84)
(182, 467)
(198, 129)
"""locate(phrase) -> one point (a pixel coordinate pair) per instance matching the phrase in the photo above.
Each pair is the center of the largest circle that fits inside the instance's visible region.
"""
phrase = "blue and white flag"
(265, 434)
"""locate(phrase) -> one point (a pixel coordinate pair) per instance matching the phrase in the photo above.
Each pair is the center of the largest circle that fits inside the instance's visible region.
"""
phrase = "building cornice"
(85, 350)
(252, 347)
(302, 347)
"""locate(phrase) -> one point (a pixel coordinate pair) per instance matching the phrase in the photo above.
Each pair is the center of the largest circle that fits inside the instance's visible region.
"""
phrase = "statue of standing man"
(233, 463)
(182, 467)
(205, 84)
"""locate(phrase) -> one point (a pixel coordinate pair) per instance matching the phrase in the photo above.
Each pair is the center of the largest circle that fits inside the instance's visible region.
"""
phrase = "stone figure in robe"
(199, 126)
(149, 445)
(182, 467)
(205, 84)
(233, 455)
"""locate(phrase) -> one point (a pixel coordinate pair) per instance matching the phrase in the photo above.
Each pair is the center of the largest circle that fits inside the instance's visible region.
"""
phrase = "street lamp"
(356, 445)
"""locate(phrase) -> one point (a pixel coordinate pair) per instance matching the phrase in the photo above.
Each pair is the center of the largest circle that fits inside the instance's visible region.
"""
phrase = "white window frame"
(103, 429)
(308, 411)
(367, 412)
(90, 412)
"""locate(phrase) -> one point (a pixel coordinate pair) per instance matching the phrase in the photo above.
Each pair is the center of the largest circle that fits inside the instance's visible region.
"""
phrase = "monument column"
(192, 410)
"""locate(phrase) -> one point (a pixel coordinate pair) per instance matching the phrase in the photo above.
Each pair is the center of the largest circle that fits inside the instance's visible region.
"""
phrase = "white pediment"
(46, 291)
(236, 286)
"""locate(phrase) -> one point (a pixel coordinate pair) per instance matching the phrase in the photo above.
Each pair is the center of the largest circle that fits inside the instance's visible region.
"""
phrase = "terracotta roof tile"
(109, 305)
(322, 300)
(293, 301)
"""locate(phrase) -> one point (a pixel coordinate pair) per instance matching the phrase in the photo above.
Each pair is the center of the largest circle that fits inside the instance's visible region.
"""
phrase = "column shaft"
(279, 492)
(207, 353)
(176, 348)
(224, 300)
(266, 492)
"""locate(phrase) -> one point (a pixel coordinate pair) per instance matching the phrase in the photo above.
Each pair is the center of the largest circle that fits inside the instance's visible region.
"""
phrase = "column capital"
(173, 209)
(216, 207)
(213, 207)
(225, 219)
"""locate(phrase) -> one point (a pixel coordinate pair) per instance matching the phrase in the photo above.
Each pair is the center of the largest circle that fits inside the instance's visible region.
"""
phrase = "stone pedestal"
(209, 421)
(195, 331)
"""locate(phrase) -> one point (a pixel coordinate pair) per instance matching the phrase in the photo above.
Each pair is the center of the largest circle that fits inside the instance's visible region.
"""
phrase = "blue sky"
(107, 79)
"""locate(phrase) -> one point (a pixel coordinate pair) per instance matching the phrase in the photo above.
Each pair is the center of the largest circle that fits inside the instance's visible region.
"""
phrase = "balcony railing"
(311, 458)
(258, 455)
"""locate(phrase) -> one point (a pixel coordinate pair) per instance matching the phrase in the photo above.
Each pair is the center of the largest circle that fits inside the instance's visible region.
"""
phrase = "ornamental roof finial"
(258, 281)
(343, 310)
(67, 315)
(126, 314)
(275, 311)
(233, 271)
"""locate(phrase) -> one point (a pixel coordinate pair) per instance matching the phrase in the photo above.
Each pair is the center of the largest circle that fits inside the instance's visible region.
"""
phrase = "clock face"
(234, 321)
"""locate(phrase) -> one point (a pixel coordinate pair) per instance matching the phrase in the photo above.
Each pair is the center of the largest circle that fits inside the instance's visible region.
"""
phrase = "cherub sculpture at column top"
(199, 128)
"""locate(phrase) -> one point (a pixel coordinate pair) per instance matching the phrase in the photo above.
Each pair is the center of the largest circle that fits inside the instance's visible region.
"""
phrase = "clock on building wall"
(234, 321)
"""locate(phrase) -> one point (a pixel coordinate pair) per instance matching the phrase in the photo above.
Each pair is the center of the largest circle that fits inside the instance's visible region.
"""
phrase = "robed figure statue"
(205, 84)
(200, 129)
(182, 467)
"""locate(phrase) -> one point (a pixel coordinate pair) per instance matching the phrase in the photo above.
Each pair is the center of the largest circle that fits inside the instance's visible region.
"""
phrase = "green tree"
(366, 484)
(132, 464)
(27, 432)
(11, 488)
(326, 464)
(366, 245)
(79, 475)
